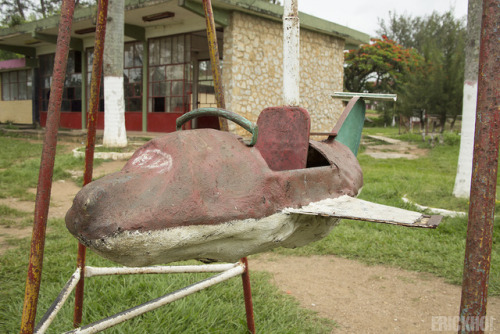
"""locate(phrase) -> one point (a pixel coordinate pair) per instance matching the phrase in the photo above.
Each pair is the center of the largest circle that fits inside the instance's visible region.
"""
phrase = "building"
(166, 64)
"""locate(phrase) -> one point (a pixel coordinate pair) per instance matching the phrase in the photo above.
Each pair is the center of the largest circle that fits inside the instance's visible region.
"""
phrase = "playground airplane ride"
(206, 194)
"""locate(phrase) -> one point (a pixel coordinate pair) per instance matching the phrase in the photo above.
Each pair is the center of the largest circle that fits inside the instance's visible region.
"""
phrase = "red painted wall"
(69, 120)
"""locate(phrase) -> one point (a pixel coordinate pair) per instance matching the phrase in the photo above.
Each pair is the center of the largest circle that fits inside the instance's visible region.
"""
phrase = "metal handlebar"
(240, 120)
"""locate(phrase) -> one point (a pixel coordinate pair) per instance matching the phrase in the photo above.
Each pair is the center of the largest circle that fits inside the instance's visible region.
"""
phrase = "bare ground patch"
(366, 299)
(380, 147)
(62, 195)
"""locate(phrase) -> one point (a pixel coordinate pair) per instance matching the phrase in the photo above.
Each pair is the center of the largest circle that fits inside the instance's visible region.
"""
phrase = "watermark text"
(453, 323)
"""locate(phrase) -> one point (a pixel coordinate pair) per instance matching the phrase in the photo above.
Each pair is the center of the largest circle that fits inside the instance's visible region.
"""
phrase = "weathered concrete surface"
(203, 178)
(222, 242)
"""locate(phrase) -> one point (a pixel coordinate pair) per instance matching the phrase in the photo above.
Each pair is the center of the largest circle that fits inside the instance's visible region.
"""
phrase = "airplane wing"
(347, 207)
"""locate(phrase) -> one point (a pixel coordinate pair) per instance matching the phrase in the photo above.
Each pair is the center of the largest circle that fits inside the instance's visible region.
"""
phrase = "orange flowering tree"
(380, 66)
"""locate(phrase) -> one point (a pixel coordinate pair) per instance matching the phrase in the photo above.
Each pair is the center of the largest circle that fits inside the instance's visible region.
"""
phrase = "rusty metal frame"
(44, 187)
(226, 271)
(484, 176)
(93, 114)
(214, 59)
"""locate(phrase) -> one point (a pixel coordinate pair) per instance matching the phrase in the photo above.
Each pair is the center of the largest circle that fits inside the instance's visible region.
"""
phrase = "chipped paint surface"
(464, 169)
(213, 50)
(291, 50)
(210, 180)
(223, 242)
(484, 172)
(44, 187)
(133, 312)
(115, 134)
(154, 159)
(281, 150)
(352, 208)
(95, 87)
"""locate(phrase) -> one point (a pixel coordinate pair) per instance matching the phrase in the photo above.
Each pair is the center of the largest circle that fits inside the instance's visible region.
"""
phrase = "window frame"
(72, 93)
(11, 79)
(166, 64)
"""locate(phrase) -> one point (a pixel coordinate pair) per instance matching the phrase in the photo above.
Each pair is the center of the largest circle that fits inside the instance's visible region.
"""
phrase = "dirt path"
(380, 147)
(62, 195)
(367, 299)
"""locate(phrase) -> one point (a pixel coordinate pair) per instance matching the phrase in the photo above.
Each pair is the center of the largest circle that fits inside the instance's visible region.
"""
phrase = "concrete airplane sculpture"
(206, 194)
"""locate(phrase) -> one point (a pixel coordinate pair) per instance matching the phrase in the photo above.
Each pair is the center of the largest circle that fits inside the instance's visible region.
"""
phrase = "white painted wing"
(356, 209)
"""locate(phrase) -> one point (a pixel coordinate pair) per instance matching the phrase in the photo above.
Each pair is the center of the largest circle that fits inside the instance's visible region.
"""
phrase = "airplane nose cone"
(78, 218)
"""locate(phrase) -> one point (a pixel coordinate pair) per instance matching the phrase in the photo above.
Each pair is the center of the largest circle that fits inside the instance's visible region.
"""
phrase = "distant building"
(167, 68)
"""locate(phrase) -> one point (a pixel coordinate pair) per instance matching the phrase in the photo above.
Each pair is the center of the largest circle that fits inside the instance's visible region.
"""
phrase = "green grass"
(8, 212)
(15, 151)
(11, 217)
(449, 138)
(20, 164)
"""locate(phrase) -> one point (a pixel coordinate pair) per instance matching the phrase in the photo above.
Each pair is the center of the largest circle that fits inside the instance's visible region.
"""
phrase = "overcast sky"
(362, 14)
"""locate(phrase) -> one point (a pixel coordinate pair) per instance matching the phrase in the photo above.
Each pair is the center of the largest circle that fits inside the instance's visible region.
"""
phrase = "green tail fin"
(350, 132)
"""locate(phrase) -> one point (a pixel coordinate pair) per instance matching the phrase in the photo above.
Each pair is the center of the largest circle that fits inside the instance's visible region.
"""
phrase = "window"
(90, 61)
(206, 89)
(132, 76)
(72, 94)
(46, 69)
(169, 74)
(16, 85)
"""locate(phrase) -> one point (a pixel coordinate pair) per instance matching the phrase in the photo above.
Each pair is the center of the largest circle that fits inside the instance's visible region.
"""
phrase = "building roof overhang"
(25, 39)
(353, 38)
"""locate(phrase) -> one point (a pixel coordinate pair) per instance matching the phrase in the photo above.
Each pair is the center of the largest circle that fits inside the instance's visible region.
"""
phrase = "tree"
(380, 66)
(383, 66)
(46, 8)
(20, 11)
(14, 12)
(440, 40)
(114, 102)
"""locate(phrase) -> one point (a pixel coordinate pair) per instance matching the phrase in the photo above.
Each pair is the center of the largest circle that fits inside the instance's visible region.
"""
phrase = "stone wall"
(253, 70)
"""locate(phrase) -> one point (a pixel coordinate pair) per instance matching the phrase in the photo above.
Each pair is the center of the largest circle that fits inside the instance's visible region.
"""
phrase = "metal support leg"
(248, 296)
(44, 187)
(214, 59)
(89, 150)
(484, 176)
(226, 271)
